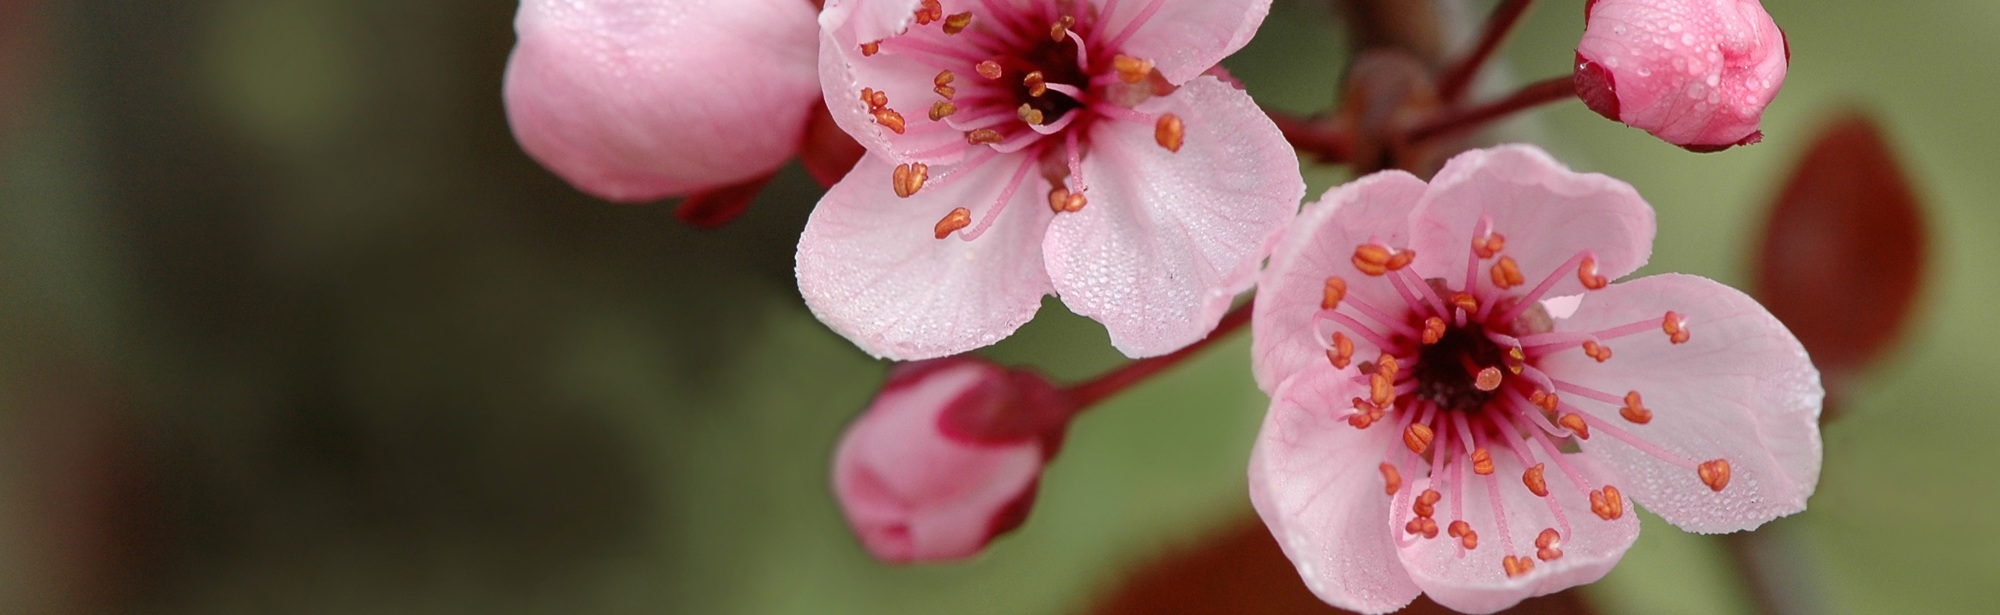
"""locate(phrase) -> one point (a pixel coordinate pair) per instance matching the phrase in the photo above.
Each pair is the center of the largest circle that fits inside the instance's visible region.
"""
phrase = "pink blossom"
(1696, 73)
(1437, 425)
(946, 458)
(636, 100)
(1019, 148)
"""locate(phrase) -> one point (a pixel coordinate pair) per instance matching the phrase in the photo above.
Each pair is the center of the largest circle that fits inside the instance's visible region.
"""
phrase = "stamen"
(1433, 330)
(1130, 69)
(1342, 352)
(1418, 437)
(1607, 503)
(1487, 379)
(1535, 296)
(1489, 245)
(871, 48)
(889, 119)
(1381, 389)
(1336, 289)
(1575, 424)
(1169, 132)
(1028, 113)
(1118, 42)
(943, 82)
(1426, 504)
(942, 109)
(1715, 474)
(1635, 410)
(875, 99)
(1506, 274)
(988, 69)
(956, 23)
(1467, 538)
(1517, 566)
(1484, 227)
(1676, 328)
(929, 11)
(952, 222)
(1364, 414)
(1426, 526)
(1587, 274)
(983, 136)
(1465, 302)
(1391, 479)
(1482, 462)
(1060, 29)
(1596, 351)
(1355, 326)
(1545, 545)
(908, 178)
(1037, 84)
(1544, 400)
(1000, 204)
(1537, 484)
(1372, 259)
(1061, 200)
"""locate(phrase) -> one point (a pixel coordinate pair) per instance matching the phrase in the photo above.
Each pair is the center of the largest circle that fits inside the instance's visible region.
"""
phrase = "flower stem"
(1110, 384)
(1457, 79)
(1555, 89)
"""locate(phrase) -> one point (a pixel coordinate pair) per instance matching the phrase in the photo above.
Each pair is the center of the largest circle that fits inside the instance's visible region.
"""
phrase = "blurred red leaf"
(1843, 256)
(1240, 569)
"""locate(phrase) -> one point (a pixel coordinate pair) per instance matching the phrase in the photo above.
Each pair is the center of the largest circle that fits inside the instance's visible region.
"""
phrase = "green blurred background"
(289, 325)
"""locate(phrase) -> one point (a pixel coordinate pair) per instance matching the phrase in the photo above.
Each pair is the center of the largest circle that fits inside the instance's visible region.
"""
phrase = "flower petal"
(1547, 213)
(1740, 389)
(1316, 482)
(1168, 239)
(1319, 244)
(871, 268)
(861, 21)
(1187, 37)
(906, 80)
(1477, 582)
(634, 101)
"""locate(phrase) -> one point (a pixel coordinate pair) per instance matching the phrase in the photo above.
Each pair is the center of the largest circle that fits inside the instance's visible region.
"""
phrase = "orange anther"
(1422, 525)
(956, 23)
(1463, 532)
(1060, 29)
(943, 82)
(1482, 462)
(1487, 379)
(1544, 400)
(1372, 259)
(982, 136)
(988, 69)
(908, 178)
(1517, 566)
(1489, 245)
(1037, 84)
(1433, 330)
(1392, 481)
(929, 11)
(1536, 484)
(1597, 351)
(1418, 437)
(1342, 351)
(952, 222)
(1028, 113)
(1336, 290)
(1574, 423)
(1381, 389)
(1466, 302)
(1426, 504)
(870, 49)
(1360, 420)
(1169, 132)
(1506, 273)
(1514, 359)
(1131, 69)
(1675, 327)
(1387, 364)
(1635, 410)
(942, 109)
(874, 100)
(1587, 274)
(1607, 503)
(1545, 545)
(1402, 259)
(1715, 474)
(889, 119)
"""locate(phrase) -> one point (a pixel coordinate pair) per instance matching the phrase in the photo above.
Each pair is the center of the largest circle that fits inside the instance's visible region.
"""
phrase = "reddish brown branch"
(1463, 120)
(1111, 383)
(1457, 79)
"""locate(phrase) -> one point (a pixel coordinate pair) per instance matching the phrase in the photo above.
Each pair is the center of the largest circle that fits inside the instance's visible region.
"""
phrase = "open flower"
(1438, 424)
(636, 100)
(1019, 148)
(947, 457)
(1695, 73)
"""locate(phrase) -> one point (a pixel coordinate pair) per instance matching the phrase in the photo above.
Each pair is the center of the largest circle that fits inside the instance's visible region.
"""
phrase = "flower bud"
(947, 457)
(1695, 73)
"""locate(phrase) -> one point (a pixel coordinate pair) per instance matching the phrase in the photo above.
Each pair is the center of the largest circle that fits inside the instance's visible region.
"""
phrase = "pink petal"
(1319, 244)
(1547, 213)
(913, 494)
(1741, 389)
(871, 267)
(636, 100)
(1187, 37)
(1316, 482)
(1477, 582)
(907, 81)
(1168, 239)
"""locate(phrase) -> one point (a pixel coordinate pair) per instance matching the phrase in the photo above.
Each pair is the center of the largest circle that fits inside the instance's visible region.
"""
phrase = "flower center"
(1024, 78)
(1460, 375)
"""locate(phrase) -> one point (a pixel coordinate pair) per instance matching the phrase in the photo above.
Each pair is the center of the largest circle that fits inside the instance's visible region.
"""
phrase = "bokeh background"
(289, 325)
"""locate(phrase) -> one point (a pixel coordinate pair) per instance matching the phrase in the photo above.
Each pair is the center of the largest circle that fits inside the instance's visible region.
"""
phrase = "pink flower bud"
(946, 458)
(1696, 73)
